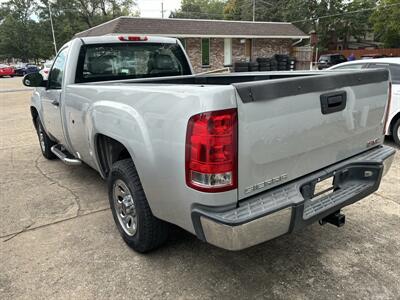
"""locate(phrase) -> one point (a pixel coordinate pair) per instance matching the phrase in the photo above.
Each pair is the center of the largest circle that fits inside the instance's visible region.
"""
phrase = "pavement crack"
(386, 198)
(12, 159)
(13, 235)
(30, 227)
(53, 181)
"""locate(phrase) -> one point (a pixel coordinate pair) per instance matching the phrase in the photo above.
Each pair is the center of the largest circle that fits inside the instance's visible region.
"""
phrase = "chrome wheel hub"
(398, 132)
(41, 138)
(125, 207)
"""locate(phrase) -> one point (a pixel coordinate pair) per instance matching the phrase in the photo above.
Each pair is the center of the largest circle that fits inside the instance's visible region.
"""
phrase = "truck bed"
(218, 79)
(283, 131)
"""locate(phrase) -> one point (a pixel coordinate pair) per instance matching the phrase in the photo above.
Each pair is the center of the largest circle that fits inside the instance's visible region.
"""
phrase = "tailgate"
(291, 127)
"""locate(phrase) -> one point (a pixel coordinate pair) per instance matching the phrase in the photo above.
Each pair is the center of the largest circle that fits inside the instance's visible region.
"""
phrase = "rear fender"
(124, 124)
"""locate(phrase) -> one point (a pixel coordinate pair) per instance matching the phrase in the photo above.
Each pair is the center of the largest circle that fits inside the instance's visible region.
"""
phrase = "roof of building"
(195, 28)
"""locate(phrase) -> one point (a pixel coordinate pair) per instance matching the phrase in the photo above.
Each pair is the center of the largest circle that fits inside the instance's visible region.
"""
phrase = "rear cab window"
(338, 58)
(394, 70)
(350, 67)
(324, 58)
(116, 61)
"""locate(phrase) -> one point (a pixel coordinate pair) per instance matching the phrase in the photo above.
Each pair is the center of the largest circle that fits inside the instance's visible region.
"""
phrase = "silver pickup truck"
(236, 159)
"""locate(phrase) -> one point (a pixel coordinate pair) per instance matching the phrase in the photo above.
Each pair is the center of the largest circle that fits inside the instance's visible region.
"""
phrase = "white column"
(227, 51)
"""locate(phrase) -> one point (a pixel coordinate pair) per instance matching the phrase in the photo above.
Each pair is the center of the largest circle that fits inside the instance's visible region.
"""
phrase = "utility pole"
(254, 10)
(162, 9)
(52, 29)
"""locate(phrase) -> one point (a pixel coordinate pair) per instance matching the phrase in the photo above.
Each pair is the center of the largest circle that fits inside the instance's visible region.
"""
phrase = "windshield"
(101, 62)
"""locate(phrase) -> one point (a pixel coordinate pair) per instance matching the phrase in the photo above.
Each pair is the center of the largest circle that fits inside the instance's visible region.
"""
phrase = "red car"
(6, 71)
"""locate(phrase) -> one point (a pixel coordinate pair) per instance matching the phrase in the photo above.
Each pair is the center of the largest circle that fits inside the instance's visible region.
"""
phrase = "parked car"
(6, 70)
(24, 69)
(328, 60)
(236, 159)
(46, 68)
(393, 65)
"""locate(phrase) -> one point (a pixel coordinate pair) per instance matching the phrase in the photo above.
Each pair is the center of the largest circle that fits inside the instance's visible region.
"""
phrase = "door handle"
(55, 103)
(333, 102)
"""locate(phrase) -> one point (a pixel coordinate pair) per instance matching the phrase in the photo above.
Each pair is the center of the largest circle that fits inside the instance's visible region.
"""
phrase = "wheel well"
(109, 151)
(34, 114)
(393, 121)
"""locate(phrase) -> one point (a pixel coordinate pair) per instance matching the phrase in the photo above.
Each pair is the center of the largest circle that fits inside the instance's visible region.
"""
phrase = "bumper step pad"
(314, 207)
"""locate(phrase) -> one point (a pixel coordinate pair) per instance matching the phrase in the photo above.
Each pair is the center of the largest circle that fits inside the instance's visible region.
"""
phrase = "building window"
(227, 52)
(183, 42)
(205, 52)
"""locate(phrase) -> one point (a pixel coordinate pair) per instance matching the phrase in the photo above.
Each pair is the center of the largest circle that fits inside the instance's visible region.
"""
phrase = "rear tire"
(139, 228)
(45, 142)
(396, 132)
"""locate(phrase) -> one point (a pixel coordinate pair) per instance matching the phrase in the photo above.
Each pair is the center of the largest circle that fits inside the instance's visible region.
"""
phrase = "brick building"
(211, 44)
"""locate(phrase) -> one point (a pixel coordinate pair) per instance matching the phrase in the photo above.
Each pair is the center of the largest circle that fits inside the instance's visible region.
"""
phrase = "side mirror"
(34, 80)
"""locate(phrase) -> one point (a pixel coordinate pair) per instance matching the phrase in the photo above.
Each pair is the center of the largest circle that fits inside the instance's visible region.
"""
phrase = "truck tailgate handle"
(333, 102)
(55, 103)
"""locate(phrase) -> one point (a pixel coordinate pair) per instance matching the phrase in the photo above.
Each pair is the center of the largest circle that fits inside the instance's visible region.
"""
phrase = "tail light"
(211, 151)
(387, 110)
(132, 38)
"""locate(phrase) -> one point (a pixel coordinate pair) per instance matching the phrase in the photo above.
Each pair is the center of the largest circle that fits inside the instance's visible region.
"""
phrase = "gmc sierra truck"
(236, 159)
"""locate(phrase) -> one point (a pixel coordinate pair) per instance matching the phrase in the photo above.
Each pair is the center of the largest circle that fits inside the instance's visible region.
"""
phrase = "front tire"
(396, 132)
(44, 141)
(131, 212)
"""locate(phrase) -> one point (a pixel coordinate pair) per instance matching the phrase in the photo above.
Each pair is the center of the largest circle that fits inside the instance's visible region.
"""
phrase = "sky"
(152, 8)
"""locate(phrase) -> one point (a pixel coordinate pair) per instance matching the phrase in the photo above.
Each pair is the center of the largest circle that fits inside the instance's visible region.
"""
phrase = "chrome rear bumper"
(247, 234)
(289, 207)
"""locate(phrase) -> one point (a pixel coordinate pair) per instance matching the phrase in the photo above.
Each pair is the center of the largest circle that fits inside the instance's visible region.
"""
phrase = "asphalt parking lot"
(58, 239)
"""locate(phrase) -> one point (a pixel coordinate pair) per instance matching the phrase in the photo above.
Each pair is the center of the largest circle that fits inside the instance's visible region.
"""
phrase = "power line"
(347, 13)
(249, 4)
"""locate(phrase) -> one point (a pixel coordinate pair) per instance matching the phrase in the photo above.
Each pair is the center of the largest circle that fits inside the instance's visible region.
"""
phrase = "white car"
(46, 68)
(393, 65)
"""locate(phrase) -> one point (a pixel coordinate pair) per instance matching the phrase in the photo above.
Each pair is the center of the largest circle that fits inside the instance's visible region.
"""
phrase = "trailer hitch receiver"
(338, 219)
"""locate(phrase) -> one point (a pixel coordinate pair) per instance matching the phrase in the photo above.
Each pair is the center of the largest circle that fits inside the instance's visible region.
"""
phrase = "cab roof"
(114, 38)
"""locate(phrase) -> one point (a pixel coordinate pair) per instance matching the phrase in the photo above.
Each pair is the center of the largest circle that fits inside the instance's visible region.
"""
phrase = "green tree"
(354, 20)
(312, 15)
(265, 10)
(18, 31)
(385, 20)
(331, 19)
(25, 30)
(200, 9)
(233, 10)
(72, 16)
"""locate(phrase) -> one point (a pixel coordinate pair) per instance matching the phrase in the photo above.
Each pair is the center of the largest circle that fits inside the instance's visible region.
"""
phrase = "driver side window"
(57, 71)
